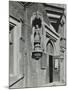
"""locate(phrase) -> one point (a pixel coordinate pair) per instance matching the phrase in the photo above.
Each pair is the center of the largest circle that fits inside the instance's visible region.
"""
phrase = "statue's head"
(36, 20)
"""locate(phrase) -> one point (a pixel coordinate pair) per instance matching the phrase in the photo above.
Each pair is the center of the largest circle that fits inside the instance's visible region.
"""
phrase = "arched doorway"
(50, 52)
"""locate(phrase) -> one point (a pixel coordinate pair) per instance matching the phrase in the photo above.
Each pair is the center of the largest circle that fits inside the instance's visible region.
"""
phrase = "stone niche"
(36, 22)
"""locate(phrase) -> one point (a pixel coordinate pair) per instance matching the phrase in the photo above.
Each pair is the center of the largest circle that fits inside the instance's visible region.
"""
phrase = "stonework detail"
(37, 44)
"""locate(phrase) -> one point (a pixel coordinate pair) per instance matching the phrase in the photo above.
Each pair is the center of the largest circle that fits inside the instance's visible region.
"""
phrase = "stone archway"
(50, 48)
(50, 52)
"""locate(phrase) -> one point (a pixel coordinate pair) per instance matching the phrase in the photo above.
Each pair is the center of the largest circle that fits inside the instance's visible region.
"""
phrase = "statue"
(36, 36)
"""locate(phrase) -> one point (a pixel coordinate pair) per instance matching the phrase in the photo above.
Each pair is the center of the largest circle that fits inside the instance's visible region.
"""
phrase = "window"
(11, 46)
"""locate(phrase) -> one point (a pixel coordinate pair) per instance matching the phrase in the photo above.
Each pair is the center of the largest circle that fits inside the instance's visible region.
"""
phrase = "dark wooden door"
(50, 68)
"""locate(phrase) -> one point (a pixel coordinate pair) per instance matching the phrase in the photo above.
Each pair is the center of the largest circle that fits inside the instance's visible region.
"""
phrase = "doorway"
(50, 51)
(50, 68)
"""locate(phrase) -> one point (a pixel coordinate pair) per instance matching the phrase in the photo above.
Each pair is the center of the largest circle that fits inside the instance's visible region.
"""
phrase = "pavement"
(56, 84)
(20, 84)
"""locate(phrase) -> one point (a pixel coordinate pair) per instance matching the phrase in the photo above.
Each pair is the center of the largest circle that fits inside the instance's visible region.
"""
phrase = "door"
(50, 68)
(50, 51)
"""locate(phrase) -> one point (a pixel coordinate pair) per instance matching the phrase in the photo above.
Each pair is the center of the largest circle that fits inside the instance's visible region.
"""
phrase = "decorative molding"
(14, 18)
(51, 31)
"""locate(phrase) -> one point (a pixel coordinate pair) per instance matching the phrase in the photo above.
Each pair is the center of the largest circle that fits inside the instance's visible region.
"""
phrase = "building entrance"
(50, 68)
(50, 51)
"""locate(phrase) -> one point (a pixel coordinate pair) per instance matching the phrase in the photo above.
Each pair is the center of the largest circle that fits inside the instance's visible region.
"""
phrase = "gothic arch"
(50, 47)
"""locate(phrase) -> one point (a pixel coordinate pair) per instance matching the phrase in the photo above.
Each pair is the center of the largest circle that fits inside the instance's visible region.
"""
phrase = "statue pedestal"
(36, 54)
